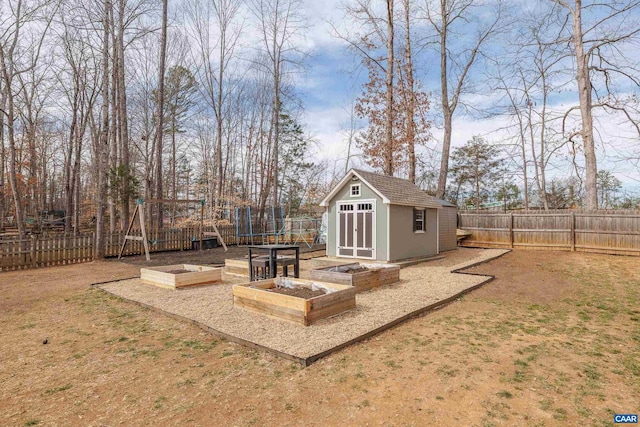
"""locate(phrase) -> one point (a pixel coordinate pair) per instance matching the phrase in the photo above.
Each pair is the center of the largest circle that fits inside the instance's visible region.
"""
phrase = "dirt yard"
(210, 257)
(554, 340)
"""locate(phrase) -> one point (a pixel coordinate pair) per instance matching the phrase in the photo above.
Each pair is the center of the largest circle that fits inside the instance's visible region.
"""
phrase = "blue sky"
(329, 85)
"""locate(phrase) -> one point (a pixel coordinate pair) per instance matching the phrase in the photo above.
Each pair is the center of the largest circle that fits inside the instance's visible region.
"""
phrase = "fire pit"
(360, 275)
(297, 300)
(180, 275)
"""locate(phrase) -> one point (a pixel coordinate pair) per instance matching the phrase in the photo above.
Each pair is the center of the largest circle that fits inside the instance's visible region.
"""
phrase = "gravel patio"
(422, 287)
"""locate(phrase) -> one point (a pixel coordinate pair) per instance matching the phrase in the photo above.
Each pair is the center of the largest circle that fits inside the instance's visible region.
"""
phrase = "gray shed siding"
(405, 243)
(380, 225)
(448, 227)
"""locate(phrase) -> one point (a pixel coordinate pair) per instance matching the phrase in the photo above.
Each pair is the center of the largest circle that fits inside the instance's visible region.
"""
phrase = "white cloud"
(320, 15)
(328, 126)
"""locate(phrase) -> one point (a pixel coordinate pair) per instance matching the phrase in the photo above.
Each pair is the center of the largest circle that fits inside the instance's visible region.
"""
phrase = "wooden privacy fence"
(599, 232)
(60, 249)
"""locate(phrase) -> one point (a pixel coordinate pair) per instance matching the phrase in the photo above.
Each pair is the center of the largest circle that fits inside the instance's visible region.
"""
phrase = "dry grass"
(554, 340)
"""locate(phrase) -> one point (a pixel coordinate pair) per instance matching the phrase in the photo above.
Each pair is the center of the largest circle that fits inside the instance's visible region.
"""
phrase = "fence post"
(34, 252)
(511, 229)
(573, 231)
(287, 229)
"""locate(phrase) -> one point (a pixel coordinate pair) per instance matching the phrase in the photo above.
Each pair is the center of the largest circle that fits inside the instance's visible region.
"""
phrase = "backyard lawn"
(553, 340)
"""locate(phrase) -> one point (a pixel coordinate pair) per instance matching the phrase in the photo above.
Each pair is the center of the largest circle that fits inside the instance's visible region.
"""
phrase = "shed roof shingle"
(398, 191)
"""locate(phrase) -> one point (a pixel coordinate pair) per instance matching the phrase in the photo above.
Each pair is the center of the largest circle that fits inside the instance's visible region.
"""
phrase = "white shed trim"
(344, 180)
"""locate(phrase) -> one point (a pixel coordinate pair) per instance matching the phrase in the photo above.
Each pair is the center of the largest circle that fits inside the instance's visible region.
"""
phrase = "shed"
(382, 218)
(448, 224)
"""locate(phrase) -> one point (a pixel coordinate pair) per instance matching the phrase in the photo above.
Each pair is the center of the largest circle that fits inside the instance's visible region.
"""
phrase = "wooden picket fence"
(42, 252)
(608, 232)
(61, 249)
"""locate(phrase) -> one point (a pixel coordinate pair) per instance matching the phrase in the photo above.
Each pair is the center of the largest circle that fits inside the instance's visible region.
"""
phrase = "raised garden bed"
(362, 276)
(237, 266)
(180, 275)
(298, 304)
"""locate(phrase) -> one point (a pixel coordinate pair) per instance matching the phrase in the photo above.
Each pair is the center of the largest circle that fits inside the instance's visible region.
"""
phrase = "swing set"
(139, 212)
(250, 226)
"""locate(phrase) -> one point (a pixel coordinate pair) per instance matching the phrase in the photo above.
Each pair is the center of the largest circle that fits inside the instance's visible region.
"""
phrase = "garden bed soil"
(180, 275)
(298, 304)
(353, 270)
(179, 271)
(362, 276)
(298, 292)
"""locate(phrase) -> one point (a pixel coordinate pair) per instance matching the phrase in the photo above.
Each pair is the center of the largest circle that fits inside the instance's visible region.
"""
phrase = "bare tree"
(388, 166)
(596, 47)
(214, 60)
(410, 102)
(534, 80)
(514, 108)
(350, 130)
(389, 99)
(160, 112)
(280, 25)
(455, 64)
(17, 59)
(101, 152)
(3, 155)
(76, 73)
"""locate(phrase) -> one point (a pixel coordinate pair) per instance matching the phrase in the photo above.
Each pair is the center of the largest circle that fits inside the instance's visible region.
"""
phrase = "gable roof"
(392, 190)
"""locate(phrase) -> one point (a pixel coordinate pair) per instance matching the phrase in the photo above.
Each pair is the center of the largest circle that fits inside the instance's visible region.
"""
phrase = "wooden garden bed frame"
(255, 297)
(198, 275)
(238, 266)
(381, 274)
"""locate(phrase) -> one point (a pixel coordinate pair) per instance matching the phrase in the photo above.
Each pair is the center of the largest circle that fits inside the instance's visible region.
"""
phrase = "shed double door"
(356, 229)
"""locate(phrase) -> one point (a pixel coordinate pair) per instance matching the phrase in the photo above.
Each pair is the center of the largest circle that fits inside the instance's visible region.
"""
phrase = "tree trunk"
(219, 116)
(3, 157)
(68, 183)
(76, 207)
(13, 173)
(523, 147)
(160, 112)
(411, 107)
(388, 157)
(75, 184)
(174, 181)
(537, 164)
(524, 165)
(123, 120)
(102, 151)
(446, 107)
(276, 132)
(112, 169)
(543, 144)
(7, 67)
(32, 180)
(446, 148)
(68, 186)
(586, 106)
(477, 179)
